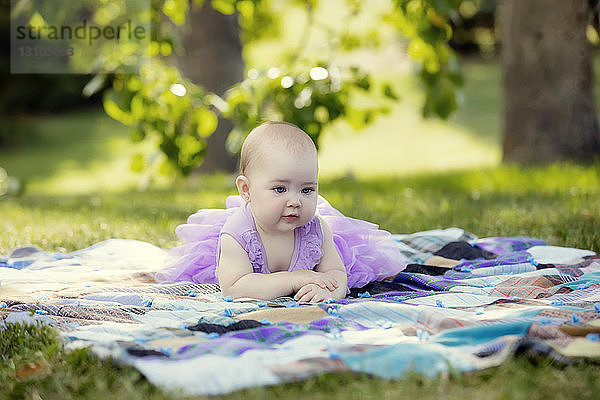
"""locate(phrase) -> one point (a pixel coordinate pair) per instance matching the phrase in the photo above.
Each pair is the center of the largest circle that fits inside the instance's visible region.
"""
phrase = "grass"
(78, 152)
(560, 203)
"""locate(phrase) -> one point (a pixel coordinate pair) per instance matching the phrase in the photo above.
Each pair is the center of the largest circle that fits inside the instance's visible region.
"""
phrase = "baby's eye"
(307, 190)
(279, 189)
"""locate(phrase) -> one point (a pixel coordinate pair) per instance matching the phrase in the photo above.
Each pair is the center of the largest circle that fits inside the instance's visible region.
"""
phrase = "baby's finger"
(306, 298)
(332, 284)
(303, 290)
(318, 298)
(320, 283)
(314, 299)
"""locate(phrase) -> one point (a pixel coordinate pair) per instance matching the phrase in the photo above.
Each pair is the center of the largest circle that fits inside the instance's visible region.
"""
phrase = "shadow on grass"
(47, 141)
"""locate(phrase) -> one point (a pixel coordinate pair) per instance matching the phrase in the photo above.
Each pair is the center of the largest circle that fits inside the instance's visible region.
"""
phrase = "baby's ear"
(243, 186)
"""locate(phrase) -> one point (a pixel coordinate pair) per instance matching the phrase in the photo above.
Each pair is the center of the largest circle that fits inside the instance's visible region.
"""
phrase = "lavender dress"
(368, 253)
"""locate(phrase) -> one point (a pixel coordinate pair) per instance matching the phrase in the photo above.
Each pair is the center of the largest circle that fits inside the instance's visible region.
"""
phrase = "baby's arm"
(331, 265)
(237, 279)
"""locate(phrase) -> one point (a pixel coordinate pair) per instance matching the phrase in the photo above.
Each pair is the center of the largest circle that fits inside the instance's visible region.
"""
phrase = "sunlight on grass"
(109, 175)
(75, 153)
(558, 203)
(401, 144)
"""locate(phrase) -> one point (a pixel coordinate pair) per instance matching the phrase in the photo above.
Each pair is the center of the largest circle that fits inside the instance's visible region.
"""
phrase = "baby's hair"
(283, 134)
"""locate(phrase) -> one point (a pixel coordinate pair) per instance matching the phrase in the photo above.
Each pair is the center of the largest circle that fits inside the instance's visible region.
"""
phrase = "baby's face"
(283, 189)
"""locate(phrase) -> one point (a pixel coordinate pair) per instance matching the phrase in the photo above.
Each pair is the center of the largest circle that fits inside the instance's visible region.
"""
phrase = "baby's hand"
(312, 293)
(320, 279)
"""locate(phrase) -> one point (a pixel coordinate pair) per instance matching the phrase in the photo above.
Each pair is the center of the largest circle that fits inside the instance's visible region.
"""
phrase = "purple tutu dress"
(368, 253)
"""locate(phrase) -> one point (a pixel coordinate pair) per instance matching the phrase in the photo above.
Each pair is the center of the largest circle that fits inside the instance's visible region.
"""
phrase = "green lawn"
(560, 203)
(78, 152)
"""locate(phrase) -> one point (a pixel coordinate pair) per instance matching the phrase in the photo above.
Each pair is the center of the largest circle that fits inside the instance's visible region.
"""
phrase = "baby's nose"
(294, 201)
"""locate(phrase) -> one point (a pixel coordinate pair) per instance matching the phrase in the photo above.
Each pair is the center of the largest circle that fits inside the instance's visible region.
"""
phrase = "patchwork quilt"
(462, 304)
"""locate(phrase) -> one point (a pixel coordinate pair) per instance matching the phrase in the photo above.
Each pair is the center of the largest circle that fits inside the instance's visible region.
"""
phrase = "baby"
(278, 237)
(279, 183)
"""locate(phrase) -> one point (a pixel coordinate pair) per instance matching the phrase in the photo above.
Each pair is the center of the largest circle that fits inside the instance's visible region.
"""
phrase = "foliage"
(292, 94)
(105, 151)
(427, 24)
(161, 105)
(474, 28)
(310, 99)
(160, 102)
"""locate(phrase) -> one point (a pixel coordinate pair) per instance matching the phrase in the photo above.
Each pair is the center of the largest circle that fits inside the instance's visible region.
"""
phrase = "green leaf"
(321, 114)
(350, 42)
(246, 9)
(226, 7)
(356, 118)
(137, 135)
(166, 168)
(137, 107)
(389, 92)
(112, 109)
(206, 121)
(176, 10)
(363, 82)
(137, 163)
(189, 147)
(168, 147)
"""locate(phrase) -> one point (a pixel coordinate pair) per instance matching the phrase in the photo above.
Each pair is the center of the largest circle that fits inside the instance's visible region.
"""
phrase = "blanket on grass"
(462, 304)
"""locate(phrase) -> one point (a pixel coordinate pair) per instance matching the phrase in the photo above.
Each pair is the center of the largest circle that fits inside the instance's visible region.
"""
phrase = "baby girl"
(279, 237)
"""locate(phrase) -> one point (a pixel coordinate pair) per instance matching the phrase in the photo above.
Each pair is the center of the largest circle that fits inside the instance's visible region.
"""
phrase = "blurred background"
(385, 88)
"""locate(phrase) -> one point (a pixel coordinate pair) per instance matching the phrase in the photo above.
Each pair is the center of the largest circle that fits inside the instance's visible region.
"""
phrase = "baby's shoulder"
(238, 223)
(237, 218)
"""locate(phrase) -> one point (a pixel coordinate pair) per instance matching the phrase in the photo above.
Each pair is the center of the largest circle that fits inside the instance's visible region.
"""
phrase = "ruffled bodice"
(308, 240)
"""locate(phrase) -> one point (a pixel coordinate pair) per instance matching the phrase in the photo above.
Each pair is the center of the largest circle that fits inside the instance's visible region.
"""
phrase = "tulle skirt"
(368, 253)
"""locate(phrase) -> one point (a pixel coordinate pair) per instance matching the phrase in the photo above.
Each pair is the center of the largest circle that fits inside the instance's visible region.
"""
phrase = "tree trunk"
(549, 107)
(213, 59)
